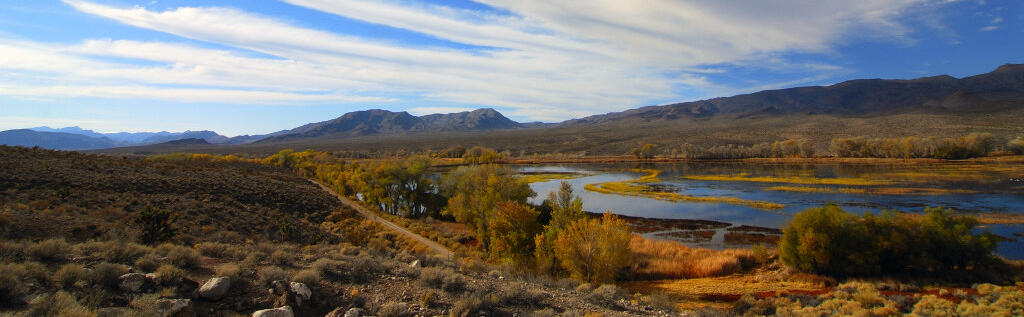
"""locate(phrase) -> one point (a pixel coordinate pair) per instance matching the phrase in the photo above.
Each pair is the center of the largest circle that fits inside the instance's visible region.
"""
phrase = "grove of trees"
(831, 241)
(556, 237)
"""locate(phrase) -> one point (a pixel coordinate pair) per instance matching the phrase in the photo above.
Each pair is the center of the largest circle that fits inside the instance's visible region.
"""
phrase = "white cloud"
(988, 28)
(547, 61)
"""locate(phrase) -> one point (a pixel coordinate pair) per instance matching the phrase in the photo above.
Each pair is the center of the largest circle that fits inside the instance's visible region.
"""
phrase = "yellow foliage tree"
(594, 250)
(512, 230)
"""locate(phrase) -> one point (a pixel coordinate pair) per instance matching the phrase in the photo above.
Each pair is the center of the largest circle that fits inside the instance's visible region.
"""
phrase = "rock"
(132, 282)
(302, 290)
(354, 312)
(215, 288)
(415, 263)
(274, 312)
(174, 307)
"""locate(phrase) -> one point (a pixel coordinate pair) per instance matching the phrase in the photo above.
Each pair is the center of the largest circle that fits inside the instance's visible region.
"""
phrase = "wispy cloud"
(544, 61)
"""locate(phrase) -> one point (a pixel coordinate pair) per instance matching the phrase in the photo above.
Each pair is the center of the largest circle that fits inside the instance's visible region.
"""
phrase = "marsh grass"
(632, 188)
(653, 259)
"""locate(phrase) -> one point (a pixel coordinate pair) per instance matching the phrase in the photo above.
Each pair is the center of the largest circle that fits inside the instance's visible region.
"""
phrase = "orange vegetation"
(654, 259)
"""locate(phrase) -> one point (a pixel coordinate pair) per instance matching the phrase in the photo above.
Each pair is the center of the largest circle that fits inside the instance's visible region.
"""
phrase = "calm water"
(996, 189)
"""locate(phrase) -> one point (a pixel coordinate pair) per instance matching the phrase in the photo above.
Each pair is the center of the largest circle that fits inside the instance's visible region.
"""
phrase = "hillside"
(68, 233)
(383, 122)
(940, 106)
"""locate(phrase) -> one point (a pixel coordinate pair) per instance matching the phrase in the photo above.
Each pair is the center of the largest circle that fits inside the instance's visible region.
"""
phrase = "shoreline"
(793, 160)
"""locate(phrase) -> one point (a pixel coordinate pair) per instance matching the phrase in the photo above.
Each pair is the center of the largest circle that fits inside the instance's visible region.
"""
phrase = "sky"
(259, 66)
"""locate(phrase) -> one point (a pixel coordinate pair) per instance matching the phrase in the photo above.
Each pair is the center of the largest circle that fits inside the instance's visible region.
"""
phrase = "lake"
(987, 189)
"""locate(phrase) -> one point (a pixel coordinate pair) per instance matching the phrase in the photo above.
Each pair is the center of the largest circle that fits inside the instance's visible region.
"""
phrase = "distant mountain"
(54, 140)
(189, 141)
(376, 121)
(1000, 89)
(208, 136)
(72, 130)
(108, 140)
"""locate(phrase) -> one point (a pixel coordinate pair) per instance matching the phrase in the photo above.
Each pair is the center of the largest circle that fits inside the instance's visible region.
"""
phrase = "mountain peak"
(379, 121)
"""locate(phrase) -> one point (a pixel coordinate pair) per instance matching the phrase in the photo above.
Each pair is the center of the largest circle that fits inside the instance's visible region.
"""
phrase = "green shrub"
(309, 277)
(168, 274)
(220, 250)
(393, 309)
(269, 274)
(229, 269)
(69, 275)
(148, 263)
(468, 305)
(830, 241)
(58, 304)
(12, 289)
(49, 250)
(183, 257)
(156, 224)
(107, 274)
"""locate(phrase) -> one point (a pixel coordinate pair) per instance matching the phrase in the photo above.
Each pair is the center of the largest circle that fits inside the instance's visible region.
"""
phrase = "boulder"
(132, 282)
(215, 288)
(354, 312)
(274, 312)
(174, 307)
(301, 290)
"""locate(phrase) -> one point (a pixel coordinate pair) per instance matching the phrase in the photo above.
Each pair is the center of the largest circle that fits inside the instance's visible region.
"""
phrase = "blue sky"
(252, 67)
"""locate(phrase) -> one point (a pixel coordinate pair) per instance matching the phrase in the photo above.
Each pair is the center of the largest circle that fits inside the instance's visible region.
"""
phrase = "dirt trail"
(369, 214)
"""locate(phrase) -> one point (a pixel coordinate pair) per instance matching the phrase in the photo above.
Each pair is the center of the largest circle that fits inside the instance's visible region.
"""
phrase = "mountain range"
(898, 106)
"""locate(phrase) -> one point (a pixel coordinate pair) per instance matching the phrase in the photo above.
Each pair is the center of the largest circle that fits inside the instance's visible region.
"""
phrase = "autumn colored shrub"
(830, 241)
(513, 228)
(594, 250)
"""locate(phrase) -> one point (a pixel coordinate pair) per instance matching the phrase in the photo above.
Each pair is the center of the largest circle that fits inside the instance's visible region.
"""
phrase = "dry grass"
(653, 259)
(630, 188)
(701, 292)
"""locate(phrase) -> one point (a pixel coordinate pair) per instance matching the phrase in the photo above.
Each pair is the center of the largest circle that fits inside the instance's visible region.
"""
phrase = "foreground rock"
(274, 312)
(133, 282)
(174, 307)
(215, 288)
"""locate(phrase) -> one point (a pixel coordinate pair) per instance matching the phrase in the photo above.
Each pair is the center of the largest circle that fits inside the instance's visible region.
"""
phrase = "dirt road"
(369, 214)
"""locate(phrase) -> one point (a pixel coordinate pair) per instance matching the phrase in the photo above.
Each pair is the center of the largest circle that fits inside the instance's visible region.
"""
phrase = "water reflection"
(993, 191)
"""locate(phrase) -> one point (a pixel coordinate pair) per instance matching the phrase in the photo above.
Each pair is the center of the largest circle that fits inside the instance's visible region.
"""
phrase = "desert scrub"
(183, 257)
(148, 263)
(393, 309)
(469, 305)
(268, 274)
(231, 270)
(48, 250)
(309, 277)
(11, 251)
(220, 250)
(58, 304)
(69, 275)
(107, 274)
(607, 295)
(12, 288)
(442, 278)
(168, 275)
